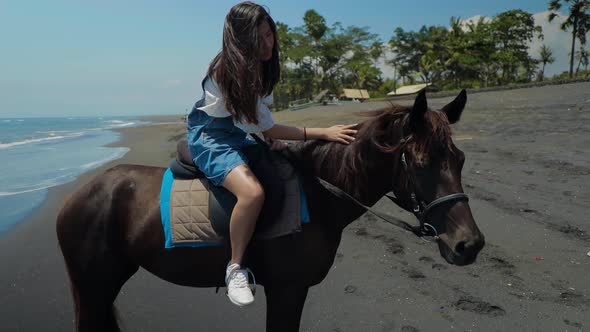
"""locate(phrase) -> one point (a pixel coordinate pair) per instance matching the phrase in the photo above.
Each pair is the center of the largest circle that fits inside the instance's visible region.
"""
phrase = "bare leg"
(250, 195)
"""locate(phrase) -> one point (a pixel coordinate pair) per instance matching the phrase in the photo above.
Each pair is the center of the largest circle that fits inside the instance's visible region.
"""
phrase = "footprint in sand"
(413, 273)
(572, 324)
(469, 303)
(394, 247)
(500, 264)
(361, 231)
(439, 267)
(573, 299)
(430, 260)
(349, 289)
(426, 259)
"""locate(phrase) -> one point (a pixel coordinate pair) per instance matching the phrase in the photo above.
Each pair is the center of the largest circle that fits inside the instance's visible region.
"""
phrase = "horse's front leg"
(284, 304)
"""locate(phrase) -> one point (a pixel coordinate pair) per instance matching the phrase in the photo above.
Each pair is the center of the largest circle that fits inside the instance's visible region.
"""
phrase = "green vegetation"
(578, 20)
(316, 57)
(546, 56)
(474, 54)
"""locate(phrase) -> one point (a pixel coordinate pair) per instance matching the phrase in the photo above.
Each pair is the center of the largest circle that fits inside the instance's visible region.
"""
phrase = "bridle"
(421, 210)
(425, 230)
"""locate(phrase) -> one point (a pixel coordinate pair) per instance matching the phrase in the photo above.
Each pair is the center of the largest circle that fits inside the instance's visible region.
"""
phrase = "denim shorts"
(215, 145)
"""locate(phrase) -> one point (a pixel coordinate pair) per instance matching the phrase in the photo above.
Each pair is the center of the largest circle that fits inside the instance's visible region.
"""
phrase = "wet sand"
(527, 174)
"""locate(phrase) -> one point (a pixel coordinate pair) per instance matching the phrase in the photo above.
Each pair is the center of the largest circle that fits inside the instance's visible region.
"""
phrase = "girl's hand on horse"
(340, 133)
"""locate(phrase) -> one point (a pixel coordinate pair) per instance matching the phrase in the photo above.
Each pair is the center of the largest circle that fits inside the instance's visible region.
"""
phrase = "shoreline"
(129, 137)
(35, 273)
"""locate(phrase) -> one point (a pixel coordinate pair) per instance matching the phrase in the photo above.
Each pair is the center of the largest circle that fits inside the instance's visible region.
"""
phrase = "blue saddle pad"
(165, 192)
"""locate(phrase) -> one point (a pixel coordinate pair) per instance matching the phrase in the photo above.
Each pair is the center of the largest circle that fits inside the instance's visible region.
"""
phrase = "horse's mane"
(378, 138)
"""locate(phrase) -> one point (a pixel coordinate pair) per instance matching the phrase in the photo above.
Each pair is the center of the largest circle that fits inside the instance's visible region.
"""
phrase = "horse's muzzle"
(464, 252)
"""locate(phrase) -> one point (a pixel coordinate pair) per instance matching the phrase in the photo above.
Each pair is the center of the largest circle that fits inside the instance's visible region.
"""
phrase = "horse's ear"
(454, 109)
(418, 110)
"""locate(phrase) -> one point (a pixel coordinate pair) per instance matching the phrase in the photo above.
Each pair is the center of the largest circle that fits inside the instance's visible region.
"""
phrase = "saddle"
(263, 163)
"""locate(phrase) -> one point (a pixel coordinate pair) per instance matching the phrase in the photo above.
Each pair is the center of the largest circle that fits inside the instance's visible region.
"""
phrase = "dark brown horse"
(111, 227)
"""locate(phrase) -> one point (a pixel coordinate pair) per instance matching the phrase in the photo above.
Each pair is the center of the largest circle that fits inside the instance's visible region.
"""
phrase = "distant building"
(409, 89)
(355, 94)
(320, 96)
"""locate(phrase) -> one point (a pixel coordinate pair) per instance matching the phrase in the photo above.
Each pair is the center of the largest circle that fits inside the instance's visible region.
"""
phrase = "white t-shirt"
(214, 105)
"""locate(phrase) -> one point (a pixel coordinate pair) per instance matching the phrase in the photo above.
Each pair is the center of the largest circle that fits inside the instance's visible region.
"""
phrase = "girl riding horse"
(237, 94)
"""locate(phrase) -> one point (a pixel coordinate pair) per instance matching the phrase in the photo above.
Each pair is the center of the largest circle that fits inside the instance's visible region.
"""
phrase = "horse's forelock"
(382, 129)
(434, 141)
(386, 126)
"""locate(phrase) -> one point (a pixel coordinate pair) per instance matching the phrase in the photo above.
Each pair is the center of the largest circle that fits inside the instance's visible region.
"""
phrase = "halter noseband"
(420, 209)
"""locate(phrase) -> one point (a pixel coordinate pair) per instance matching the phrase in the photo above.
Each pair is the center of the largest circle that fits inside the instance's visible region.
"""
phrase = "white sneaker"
(238, 289)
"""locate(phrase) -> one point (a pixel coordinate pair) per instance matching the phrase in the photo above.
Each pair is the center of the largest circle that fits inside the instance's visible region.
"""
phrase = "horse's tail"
(89, 240)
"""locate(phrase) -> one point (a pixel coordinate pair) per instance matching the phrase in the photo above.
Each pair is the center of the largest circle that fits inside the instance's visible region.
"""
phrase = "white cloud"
(386, 69)
(474, 20)
(559, 41)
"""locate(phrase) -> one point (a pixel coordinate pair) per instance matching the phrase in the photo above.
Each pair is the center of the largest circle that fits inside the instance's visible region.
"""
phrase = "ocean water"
(39, 153)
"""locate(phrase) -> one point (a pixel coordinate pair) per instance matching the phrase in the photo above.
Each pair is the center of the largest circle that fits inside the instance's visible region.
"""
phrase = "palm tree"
(316, 28)
(546, 56)
(456, 45)
(582, 57)
(578, 19)
(376, 51)
(394, 63)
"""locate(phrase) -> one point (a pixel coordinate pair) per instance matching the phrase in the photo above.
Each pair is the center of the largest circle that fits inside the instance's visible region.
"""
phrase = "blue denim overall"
(215, 143)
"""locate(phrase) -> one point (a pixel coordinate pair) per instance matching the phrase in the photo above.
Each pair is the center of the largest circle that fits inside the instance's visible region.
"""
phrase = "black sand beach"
(528, 176)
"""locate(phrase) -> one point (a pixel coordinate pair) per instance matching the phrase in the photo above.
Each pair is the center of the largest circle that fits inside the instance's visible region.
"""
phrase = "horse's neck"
(367, 181)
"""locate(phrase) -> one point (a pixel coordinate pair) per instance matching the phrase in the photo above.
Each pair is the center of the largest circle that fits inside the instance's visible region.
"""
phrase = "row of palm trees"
(316, 56)
(582, 57)
(578, 20)
(489, 48)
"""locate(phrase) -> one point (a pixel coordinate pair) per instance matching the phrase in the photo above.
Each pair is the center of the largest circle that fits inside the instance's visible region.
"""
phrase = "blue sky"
(91, 57)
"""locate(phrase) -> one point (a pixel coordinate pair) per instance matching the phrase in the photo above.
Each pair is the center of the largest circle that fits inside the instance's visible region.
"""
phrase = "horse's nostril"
(460, 248)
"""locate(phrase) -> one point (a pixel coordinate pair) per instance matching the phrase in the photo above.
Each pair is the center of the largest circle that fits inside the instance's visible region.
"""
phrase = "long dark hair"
(238, 69)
